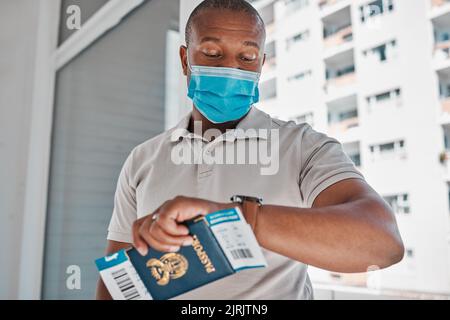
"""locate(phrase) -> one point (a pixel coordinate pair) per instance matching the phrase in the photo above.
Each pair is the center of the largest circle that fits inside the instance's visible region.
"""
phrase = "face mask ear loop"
(187, 58)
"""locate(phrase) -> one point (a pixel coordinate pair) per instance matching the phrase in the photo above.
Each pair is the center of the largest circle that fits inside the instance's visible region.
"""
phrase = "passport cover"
(166, 275)
(223, 244)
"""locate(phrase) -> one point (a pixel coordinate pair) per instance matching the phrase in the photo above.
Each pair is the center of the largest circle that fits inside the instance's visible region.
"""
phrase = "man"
(317, 208)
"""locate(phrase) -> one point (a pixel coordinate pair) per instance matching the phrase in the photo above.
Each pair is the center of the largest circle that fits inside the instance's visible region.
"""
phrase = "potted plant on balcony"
(443, 156)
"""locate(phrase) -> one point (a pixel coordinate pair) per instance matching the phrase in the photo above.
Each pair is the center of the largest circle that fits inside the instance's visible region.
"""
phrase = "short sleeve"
(124, 212)
(323, 163)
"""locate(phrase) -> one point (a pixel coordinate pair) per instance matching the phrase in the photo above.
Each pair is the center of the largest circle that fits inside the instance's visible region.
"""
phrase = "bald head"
(237, 6)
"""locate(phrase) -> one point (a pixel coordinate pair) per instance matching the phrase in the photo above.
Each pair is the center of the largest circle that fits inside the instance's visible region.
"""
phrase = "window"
(331, 74)
(388, 149)
(399, 203)
(448, 186)
(299, 37)
(383, 96)
(294, 5)
(348, 115)
(375, 8)
(331, 30)
(305, 118)
(268, 89)
(391, 95)
(383, 52)
(346, 70)
(93, 133)
(300, 76)
(444, 90)
(356, 158)
(410, 253)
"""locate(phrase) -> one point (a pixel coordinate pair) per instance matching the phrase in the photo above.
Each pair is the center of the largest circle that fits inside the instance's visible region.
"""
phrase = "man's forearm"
(348, 237)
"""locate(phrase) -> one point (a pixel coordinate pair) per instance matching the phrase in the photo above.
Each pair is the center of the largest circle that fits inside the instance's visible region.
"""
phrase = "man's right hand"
(163, 230)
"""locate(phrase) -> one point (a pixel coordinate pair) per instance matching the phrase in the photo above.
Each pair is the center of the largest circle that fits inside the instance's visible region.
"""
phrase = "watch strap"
(250, 211)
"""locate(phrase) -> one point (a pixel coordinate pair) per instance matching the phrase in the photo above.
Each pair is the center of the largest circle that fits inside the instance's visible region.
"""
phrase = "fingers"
(171, 226)
(164, 243)
(149, 232)
(163, 237)
(166, 233)
(138, 242)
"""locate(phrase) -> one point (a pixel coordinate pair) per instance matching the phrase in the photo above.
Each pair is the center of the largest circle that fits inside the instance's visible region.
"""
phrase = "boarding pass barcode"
(244, 253)
(125, 284)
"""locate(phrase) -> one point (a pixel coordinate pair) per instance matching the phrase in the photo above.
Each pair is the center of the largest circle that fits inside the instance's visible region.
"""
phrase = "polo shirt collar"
(255, 119)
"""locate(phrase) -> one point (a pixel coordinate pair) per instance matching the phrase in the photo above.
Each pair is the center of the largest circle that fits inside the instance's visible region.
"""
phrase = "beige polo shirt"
(309, 162)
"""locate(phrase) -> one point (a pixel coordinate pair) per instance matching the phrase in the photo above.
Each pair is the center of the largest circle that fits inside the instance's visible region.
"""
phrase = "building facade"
(376, 76)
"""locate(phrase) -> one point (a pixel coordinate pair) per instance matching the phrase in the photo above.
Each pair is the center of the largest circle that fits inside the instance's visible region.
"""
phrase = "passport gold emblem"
(169, 266)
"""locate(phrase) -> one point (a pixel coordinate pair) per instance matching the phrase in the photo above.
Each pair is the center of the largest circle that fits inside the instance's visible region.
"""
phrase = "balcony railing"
(342, 36)
(342, 81)
(350, 279)
(438, 3)
(325, 3)
(270, 64)
(442, 50)
(342, 126)
(445, 103)
(270, 28)
(444, 158)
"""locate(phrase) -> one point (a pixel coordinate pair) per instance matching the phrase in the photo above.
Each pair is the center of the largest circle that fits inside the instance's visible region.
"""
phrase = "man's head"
(224, 33)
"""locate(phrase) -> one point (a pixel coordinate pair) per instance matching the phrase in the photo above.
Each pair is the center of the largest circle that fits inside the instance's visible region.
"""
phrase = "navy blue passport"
(223, 244)
(166, 275)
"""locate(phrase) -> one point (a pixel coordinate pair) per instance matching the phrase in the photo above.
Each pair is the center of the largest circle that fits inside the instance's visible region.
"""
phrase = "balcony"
(342, 36)
(349, 279)
(341, 81)
(441, 30)
(295, 5)
(269, 65)
(444, 95)
(337, 129)
(353, 150)
(340, 87)
(442, 55)
(267, 13)
(337, 28)
(270, 29)
(444, 158)
(323, 4)
(340, 75)
(439, 3)
(343, 119)
(268, 89)
(445, 106)
(271, 61)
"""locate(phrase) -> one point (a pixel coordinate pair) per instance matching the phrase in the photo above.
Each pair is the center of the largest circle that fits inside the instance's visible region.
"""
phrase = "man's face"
(223, 38)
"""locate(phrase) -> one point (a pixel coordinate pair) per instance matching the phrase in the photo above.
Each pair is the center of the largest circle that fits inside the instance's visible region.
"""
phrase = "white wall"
(186, 7)
(18, 28)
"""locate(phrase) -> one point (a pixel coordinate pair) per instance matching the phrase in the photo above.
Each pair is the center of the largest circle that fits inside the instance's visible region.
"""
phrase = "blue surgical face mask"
(223, 94)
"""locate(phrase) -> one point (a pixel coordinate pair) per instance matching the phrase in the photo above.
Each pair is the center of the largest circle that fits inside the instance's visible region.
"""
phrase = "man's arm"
(112, 246)
(348, 229)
